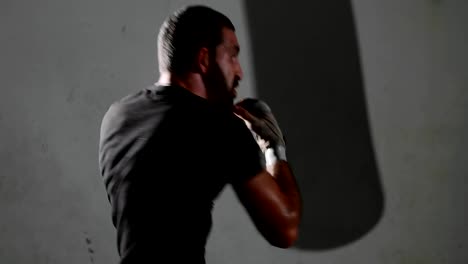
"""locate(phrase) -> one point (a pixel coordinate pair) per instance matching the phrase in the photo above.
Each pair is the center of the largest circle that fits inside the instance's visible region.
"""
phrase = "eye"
(234, 55)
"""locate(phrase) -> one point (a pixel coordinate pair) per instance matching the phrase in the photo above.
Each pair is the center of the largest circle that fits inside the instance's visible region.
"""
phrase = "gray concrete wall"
(63, 62)
(415, 73)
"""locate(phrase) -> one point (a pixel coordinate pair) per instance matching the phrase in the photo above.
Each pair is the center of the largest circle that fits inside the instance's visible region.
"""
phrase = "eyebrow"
(232, 47)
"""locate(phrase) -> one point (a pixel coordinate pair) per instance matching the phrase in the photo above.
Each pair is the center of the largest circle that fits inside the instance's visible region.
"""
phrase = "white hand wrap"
(272, 155)
(264, 128)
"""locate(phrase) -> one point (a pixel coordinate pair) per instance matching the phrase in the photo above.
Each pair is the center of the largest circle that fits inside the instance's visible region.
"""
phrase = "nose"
(239, 72)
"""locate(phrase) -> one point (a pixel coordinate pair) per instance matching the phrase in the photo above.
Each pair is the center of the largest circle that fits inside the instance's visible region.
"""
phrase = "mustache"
(235, 83)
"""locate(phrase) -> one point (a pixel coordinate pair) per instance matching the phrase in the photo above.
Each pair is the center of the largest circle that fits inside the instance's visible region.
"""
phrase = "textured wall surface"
(63, 62)
(415, 62)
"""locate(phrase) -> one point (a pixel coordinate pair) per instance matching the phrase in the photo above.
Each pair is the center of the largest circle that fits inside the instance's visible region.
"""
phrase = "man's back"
(165, 154)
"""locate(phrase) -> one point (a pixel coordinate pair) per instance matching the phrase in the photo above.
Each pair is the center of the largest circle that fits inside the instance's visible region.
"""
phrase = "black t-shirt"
(165, 154)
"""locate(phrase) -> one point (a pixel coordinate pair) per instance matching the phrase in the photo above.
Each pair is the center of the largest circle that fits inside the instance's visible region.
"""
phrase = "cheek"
(226, 71)
(226, 65)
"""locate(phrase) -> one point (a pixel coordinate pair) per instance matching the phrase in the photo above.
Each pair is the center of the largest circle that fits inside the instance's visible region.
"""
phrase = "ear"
(203, 60)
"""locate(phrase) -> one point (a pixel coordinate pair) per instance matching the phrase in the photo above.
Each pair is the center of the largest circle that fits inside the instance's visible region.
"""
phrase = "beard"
(219, 89)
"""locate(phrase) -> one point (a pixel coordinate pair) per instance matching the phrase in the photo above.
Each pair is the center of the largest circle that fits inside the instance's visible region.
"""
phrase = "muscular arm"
(273, 201)
(271, 197)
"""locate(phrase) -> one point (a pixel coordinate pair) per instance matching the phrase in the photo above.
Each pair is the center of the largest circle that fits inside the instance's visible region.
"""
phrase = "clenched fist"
(259, 118)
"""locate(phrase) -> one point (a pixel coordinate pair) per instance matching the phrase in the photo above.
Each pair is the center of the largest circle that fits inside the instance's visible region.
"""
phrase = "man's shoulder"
(131, 100)
(134, 102)
(152, 104)
(126, 108)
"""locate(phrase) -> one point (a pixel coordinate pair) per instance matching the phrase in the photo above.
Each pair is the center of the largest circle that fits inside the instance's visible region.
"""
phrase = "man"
(168, 150)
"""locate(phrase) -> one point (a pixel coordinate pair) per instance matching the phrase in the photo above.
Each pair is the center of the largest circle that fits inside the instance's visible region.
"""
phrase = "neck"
(191, 82)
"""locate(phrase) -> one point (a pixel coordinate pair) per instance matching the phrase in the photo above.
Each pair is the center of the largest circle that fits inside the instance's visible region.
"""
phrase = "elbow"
(281, 231)
(288, 234)
(285, 239)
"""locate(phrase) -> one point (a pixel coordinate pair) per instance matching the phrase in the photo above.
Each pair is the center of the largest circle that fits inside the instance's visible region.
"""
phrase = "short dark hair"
(185, 32)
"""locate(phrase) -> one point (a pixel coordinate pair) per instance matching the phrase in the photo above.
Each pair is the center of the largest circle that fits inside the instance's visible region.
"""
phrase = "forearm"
(277, 201)
(284, 177)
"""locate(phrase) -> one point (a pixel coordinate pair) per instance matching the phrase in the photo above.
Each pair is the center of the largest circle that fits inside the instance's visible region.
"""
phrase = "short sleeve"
(245, 155)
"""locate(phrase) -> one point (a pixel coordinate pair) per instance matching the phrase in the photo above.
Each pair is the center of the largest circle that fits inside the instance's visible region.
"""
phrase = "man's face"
(225, 72)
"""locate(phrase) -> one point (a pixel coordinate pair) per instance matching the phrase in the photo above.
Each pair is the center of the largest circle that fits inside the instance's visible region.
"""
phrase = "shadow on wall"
(307, 69)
